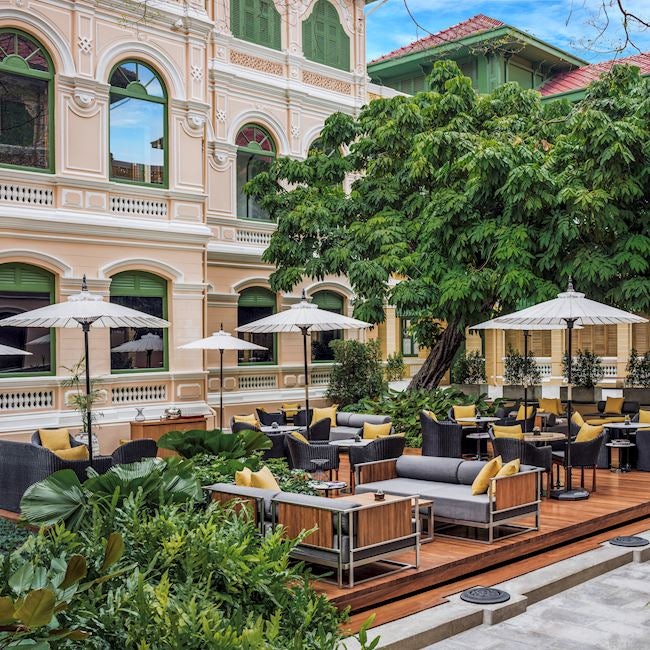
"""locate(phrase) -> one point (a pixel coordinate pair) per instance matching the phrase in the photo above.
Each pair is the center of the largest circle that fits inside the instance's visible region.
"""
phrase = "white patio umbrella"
(569, 309)
(8, 351)
(147, 343)
(84, 309)
(221, 341)
(304, 317)
(494, 324)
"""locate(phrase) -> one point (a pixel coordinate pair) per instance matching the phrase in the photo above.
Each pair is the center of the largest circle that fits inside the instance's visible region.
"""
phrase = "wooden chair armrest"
(378, 470)
(382, 522)
(517, 490)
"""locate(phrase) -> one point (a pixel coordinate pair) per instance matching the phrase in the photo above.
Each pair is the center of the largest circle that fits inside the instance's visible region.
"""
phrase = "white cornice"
(234, 252)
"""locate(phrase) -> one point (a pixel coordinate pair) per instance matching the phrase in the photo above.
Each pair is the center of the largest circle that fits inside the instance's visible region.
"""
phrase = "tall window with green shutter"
(255, 303)
(23, 288)
(323, 38)
(139, 349)
(320, 341)
(257, 21)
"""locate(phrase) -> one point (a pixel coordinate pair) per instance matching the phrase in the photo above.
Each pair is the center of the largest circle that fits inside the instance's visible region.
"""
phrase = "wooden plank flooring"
(620, 499)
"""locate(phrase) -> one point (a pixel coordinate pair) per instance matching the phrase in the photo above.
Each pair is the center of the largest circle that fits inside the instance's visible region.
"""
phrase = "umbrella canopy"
(7, 350)
(41, 340)
(146, 343)
(221, 341)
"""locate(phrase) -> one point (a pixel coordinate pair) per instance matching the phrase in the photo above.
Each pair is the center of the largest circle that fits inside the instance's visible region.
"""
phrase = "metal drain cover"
(629, 540)
(484, 596)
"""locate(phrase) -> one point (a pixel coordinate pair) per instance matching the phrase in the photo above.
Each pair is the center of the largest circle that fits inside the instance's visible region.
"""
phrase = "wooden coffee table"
(425, 507)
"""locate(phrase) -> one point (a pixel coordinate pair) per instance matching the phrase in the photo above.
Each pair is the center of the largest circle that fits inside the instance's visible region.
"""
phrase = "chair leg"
(582, 477)
(593, 479)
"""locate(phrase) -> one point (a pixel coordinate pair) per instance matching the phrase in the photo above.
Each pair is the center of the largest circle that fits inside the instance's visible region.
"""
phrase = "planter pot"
(580, 394)
(472, 389)
(515, 392)
(641, 395)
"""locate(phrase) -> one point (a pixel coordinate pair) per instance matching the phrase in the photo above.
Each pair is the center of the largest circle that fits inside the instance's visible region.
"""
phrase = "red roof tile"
(474, 25)
(581, 77)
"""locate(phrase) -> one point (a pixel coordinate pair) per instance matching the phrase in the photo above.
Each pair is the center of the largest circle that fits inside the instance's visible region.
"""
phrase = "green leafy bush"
(586, 370)
(12, 535)
(404, 408)
(215, 442)
(469, 369)
(290, 480)
(520, 370)
(209, 468)
(395, 367)
(357, 372)
(638, 370)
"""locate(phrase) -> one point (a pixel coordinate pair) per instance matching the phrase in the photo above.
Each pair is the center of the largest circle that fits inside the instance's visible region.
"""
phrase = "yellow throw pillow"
(321, 414)
(588, 432)
(390, 435)
(482, 480)
(430, 414)
(54, 439)
(551, 405)
(644, 416)
(520, 413)
(461, 412)
(248, 419)
(243, 477)
(373, 431)
(73, 453)
(264, 479)
(299, 436)
(614, 405)
(513, 431)
(577, 419)
(290, 409)
(509, 469)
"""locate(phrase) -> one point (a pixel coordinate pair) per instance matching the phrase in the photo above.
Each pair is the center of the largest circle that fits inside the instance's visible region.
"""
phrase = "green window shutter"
(256, 297)
(235, 17)
(323, 38)
(25, 279)
(256, 21)
(328, 300)
(138, 283)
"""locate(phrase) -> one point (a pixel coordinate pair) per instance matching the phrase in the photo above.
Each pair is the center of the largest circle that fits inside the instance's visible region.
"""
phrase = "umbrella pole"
(306, 369)
(89, 422)
(526, 380)
(221, 389)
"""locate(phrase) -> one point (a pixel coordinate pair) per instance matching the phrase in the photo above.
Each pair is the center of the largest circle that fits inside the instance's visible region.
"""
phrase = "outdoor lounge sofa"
(447, 481)
(349, 425)
(347, 534)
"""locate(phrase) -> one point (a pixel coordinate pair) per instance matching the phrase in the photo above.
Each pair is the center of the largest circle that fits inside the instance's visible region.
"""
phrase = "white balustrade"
(138, 207)
(254, 237)
(17, 400)
(257, 382)
(26, 194)
(143, 393)
(544, 366)
(321, 378)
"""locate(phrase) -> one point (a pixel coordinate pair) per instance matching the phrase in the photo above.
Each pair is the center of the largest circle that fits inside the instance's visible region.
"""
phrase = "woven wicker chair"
(134, 451)
(236, 427)
(379, 449)
(302, 455)
(300, 418)
(267, 419)
(320, 431)
(511, 448)
(643, 450)
(441, 438)
(583, 455)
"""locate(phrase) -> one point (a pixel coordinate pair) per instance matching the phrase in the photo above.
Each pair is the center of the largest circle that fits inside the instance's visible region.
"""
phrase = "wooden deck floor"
(620, 499)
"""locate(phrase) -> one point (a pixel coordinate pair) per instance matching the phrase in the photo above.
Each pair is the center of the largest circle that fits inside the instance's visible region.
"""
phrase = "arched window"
(256, 303)
(255, 153)
(139, 348)
(23, 288)
(323, 38)
(257, 21)
(320, 341)
(138, 125)
(26, 102)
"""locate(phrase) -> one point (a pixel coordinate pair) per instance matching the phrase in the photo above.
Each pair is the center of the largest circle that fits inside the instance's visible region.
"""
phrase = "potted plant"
(520, 372)
(586, 371)
(468, 374)
(637, 380)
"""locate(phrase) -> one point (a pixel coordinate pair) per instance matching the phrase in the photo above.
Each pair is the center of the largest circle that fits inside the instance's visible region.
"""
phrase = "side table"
(624, 456)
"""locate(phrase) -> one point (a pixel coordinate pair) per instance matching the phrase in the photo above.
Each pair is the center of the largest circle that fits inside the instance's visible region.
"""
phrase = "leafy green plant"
(209, 468)
(520, 370)
(290, 480)
(586, 369)
(62, 497)
(395, 367)
(78, 398)
(638, 370)
(12, 535)
(356, 373)
(469, 369)
(215, 442)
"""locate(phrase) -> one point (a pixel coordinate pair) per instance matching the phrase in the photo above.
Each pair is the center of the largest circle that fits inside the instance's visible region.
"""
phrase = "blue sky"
(567, 24)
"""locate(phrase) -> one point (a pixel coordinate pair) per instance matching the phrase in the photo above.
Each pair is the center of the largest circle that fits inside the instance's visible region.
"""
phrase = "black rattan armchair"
(300, 418)
(36, 440)
(134, 451)
(583, 455)
(267, 419)
(278, 447)
(528, 454)
(440, 438)
(643, 450)
(320, 431)
(379, 449)
(302, 455)
(236, 427)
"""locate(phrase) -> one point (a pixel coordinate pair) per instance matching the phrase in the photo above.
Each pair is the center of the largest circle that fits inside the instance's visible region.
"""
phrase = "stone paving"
(610, 612)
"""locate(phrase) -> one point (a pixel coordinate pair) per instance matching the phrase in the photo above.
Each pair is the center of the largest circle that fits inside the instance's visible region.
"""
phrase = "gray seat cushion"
(344, 433)
(358, 419)
(342, 419)
(428, 468)
(403, 487)
(240, 490)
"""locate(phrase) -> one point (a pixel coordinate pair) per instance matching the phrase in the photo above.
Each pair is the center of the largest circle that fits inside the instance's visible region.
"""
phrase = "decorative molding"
(295, 131)
(196, 121)
(196, 72)
(85, 44)
(220, 115)
(83, 99)
(256, 63)
(335, 85)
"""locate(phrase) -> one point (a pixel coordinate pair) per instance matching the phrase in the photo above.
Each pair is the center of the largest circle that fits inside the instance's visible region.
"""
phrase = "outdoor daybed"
(448, 481)
(349, 425)
(347, 533)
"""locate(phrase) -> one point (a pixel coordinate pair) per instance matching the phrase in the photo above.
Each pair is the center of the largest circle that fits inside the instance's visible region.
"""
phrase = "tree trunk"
(439, 360)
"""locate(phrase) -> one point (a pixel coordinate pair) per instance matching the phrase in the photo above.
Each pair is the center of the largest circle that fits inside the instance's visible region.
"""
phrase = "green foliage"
(210, 469)
(395, 367)
(357, 372)
(586, 370)
(638, 370)
(82, 402)
(62, 497)
(12, 535)
(404, 408)
(520, 370)
(290, 480)
(215, 442)
(469, 369)
(476, 204)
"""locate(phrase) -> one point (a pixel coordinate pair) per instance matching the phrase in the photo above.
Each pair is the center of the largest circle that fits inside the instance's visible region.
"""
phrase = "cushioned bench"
(448, 481)
(349, 425)
(347, 534)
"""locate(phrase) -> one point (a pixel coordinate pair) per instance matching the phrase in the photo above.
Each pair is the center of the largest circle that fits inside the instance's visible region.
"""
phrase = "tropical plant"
(520, 370)
(466, 205)
(586, 369)
(78, 398)
(469, 369)
(290, 480)
(638, 370)
(12, 535)
(61, 497)
(395, 367)
(356, 373)
(215, 442)
(210, 469)
(36, 592)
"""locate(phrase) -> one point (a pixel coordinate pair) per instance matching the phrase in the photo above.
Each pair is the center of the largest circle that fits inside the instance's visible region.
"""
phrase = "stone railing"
(136, 393)
(544, 366)
(321, 377)
(257, 382)
(21, 400)
(253, 237)
(128, 205)
(26, 194)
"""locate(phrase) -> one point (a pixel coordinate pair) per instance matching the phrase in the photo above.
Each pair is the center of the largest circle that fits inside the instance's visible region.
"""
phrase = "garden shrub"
(469, 369)
(638, 370)
(395, 367)
(519, 370)
(12, 535)
(586, 370)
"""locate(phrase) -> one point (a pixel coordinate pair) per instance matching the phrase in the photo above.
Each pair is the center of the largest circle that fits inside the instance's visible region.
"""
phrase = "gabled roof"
(565, 82)
(474, 25)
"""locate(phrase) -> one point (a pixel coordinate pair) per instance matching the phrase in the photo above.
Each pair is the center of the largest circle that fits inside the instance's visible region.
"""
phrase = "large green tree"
(461, 206)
